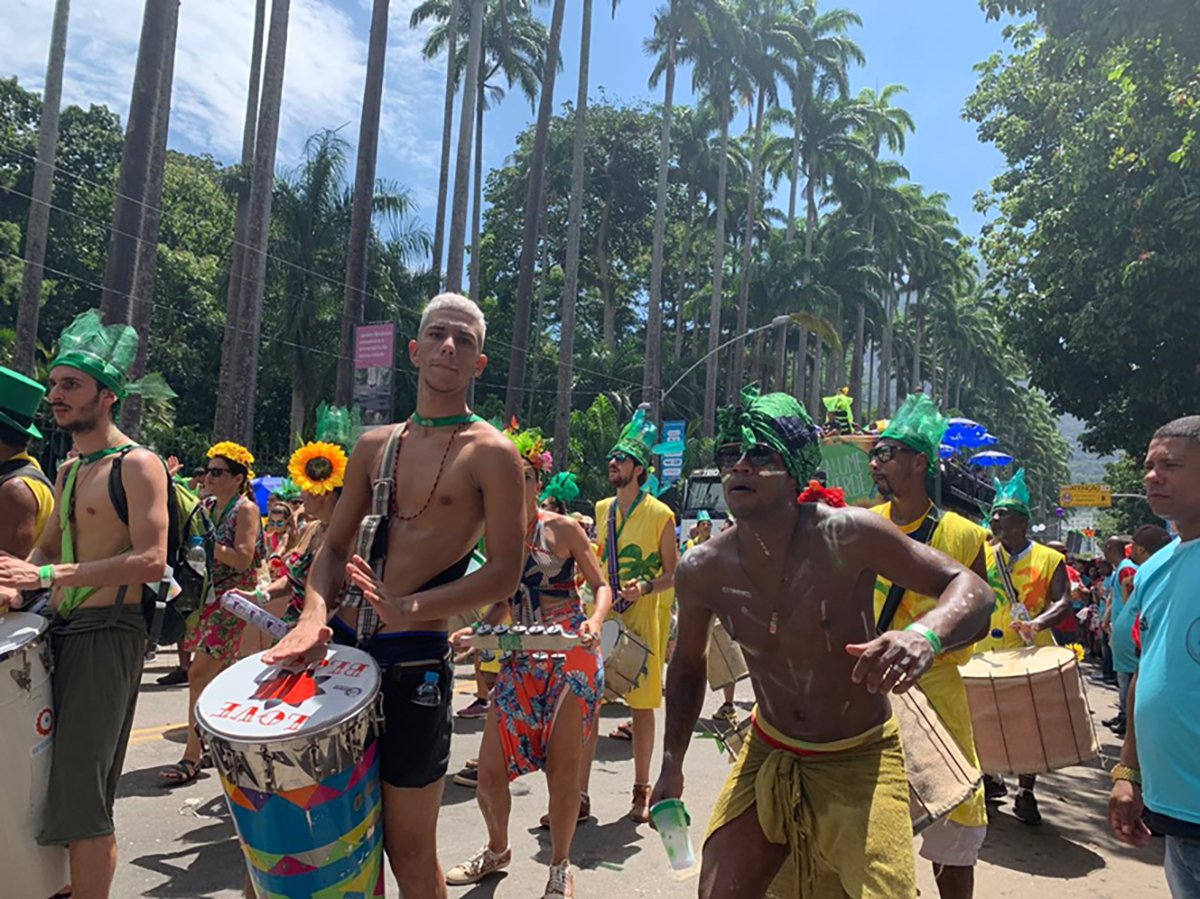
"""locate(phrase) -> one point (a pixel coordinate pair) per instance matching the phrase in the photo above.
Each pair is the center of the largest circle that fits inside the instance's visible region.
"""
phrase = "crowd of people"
(396, 539)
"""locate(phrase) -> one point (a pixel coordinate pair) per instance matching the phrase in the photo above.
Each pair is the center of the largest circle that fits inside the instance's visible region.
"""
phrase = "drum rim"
(249, 745)
(32, 642)
(349, 714)
(1065, 659)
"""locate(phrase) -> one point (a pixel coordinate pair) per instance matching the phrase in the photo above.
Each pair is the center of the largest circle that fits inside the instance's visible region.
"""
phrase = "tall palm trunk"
(652, 375)
(477, 197)
(38, 229)
(739, 348)
(885, 356)
(462, 167)
(120, 272)
(566, 350)
(918, 333)
(814, 398)
(714, 321)
(856, 358)
(781, 342)
(258, 225)
(869, 403)
(794, 180)
(355, 291)
(439, 228)
(539, 304)
(147, 250)
(800, 367)
(533, 213)
(231, 340)
(810, 224)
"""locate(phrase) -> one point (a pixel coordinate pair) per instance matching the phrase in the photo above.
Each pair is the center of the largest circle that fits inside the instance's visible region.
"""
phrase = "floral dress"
(532, 686)
(219, 632)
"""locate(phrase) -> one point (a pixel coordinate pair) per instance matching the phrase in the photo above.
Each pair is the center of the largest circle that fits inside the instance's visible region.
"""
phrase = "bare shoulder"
(562, 524)
(491, 452)
(487, 437)
(144, 463)
(371, 444)
(701, 566)
(16, 495)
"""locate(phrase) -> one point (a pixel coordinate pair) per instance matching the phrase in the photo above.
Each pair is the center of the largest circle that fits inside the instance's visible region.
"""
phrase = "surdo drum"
(625, 659)
(26, 738)
(296, 750)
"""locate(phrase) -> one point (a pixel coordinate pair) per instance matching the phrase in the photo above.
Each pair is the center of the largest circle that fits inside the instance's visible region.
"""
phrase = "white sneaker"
(478, 866)
(561, 884)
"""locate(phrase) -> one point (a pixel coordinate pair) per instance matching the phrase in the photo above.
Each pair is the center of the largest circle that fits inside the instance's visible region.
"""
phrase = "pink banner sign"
(375, 345)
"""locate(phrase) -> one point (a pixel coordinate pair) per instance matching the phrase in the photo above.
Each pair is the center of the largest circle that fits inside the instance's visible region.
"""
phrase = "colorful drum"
(726, 664)
(296, 751)
(1029, 710)
(625, 658)
(939, 776)
(26, 737)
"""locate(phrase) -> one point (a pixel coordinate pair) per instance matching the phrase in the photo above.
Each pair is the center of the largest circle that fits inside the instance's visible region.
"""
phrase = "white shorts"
(947, 842)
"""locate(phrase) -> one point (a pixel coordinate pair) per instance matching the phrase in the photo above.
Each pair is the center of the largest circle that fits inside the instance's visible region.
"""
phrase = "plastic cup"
(671, 820)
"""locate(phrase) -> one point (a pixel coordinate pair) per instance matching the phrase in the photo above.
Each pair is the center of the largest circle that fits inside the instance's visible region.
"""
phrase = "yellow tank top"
(638, 537)
(42, 494)
(1031, 572)
(955, 536)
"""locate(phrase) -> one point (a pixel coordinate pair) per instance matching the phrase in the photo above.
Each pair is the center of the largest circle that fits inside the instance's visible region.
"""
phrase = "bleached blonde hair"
(458, 303)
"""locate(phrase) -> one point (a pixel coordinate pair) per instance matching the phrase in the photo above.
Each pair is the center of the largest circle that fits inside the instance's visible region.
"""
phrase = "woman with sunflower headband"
(215, 638)
(544, 707)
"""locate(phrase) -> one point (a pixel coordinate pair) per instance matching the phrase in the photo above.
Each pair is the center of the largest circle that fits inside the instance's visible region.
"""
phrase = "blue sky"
(928, 45)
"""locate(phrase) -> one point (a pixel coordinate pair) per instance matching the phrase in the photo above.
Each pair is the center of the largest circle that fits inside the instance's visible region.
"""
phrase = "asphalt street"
(181, 843)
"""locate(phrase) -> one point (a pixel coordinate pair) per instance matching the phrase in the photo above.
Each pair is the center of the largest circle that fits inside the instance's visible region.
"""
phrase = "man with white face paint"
(820, 784)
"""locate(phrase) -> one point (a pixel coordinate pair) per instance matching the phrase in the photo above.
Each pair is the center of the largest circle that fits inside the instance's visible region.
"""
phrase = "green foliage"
(1126, 515)
(1096, 242)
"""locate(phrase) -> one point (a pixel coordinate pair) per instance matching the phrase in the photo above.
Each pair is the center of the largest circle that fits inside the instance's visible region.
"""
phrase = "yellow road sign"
(1080, 496)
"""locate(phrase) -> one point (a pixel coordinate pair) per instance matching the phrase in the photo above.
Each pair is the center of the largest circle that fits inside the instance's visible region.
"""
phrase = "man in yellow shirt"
(26, 494)
(636, 537)
(1033, 594)
(902, 461)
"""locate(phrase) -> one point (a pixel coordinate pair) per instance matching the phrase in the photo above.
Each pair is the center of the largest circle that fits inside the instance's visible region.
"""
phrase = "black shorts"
(415, 747)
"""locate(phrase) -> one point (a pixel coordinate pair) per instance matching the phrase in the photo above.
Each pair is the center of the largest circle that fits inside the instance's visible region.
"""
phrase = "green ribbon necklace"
(445, 422)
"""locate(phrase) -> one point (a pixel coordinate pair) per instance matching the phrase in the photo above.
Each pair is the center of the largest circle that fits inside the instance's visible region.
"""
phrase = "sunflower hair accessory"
(234, 452)
(531, 446)
(318, 468)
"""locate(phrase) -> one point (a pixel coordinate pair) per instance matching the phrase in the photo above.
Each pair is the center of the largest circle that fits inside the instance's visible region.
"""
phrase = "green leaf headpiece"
(562, 487)
(1012, 494)
(106, 352)
(918, 425)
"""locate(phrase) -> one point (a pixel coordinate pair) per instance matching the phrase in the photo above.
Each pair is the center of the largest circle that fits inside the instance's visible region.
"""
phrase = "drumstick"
(521, 639)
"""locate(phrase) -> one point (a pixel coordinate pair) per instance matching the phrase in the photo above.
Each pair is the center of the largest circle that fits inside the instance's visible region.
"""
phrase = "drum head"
(610, 635)
(1018, 662)
(19, 628)
(250, 702)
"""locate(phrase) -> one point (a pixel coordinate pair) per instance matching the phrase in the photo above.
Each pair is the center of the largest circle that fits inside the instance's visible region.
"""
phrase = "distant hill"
(1086, 468)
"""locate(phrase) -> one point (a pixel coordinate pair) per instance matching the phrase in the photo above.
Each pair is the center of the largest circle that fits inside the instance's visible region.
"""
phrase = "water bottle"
(197, 558)
(429, 694)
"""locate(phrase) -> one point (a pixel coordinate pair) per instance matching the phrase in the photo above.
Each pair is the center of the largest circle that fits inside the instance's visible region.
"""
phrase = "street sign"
(1078, 496)
(672, 466)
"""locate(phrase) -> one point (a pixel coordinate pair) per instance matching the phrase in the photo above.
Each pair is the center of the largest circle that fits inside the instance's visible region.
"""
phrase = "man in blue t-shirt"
(1118, 585)
(1158, 778)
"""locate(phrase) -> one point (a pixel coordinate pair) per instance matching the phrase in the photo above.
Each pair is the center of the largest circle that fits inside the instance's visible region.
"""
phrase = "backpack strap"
(923, 534)
(383, 488)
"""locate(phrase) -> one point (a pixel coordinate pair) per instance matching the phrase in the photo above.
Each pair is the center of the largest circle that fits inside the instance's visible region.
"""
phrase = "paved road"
(180, 843)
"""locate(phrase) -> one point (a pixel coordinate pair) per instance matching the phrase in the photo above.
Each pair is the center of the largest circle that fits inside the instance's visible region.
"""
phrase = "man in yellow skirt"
(1033, 594)
(902, 461)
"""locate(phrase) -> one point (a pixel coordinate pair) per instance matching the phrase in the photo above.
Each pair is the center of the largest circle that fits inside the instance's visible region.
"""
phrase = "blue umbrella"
(991, 458)
(989, 439)
(946, 451)
(263, 488)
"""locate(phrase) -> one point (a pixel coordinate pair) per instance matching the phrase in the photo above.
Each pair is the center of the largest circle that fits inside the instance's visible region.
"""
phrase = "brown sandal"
(181, 773)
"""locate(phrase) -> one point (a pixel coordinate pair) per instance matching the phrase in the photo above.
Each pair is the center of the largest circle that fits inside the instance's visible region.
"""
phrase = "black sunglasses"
(619, 457)
(759, 456)
(216, 472)
(886, 452)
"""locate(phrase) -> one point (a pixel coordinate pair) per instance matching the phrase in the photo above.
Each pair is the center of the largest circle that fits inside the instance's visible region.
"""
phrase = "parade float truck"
(844, 464)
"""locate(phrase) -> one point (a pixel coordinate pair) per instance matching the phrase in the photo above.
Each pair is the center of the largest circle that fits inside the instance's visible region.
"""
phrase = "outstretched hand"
(306, 638)
(892, 662)
(392, 611)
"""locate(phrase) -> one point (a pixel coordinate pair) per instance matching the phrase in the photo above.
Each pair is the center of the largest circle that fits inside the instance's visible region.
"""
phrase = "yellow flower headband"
(234, 452)
(318, 468)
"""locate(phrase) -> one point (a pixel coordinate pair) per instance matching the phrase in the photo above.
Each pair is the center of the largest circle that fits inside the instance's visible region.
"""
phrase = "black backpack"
(166, 619)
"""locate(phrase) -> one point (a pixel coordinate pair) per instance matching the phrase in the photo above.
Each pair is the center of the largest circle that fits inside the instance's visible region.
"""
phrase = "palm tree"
(258, 224)
(533, 213)
(439, 231)
(717, 75)
(360, 218)
(224, 417)
(38, 228)
(566, 357)
(458, 217)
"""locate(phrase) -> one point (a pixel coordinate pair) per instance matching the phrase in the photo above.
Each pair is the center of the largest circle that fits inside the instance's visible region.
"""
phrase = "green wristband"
(934, 640)
(46, 576)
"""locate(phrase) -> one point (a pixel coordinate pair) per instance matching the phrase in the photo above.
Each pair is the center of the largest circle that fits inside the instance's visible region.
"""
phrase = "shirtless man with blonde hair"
(457, 479)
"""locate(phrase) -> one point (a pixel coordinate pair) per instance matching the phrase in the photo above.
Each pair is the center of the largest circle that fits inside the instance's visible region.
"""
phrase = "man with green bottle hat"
(26, 494)
(88, 555)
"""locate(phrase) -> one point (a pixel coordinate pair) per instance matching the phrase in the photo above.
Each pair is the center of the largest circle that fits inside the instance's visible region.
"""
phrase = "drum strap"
(923, 534)
(371, 540)
(1006, 576)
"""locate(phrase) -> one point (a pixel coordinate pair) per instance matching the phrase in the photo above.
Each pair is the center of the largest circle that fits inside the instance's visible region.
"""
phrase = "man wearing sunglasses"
(819, 793)
(902, 461)
(636, 535)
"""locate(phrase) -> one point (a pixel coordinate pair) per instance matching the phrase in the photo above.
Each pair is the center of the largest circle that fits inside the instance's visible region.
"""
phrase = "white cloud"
(323, 80)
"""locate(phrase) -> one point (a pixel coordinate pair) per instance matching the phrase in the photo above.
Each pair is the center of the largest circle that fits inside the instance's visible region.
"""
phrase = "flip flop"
(622, 732)
(181, 773)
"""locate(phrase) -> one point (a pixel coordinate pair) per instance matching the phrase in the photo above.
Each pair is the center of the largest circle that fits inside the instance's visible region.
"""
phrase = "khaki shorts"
(947, 842)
